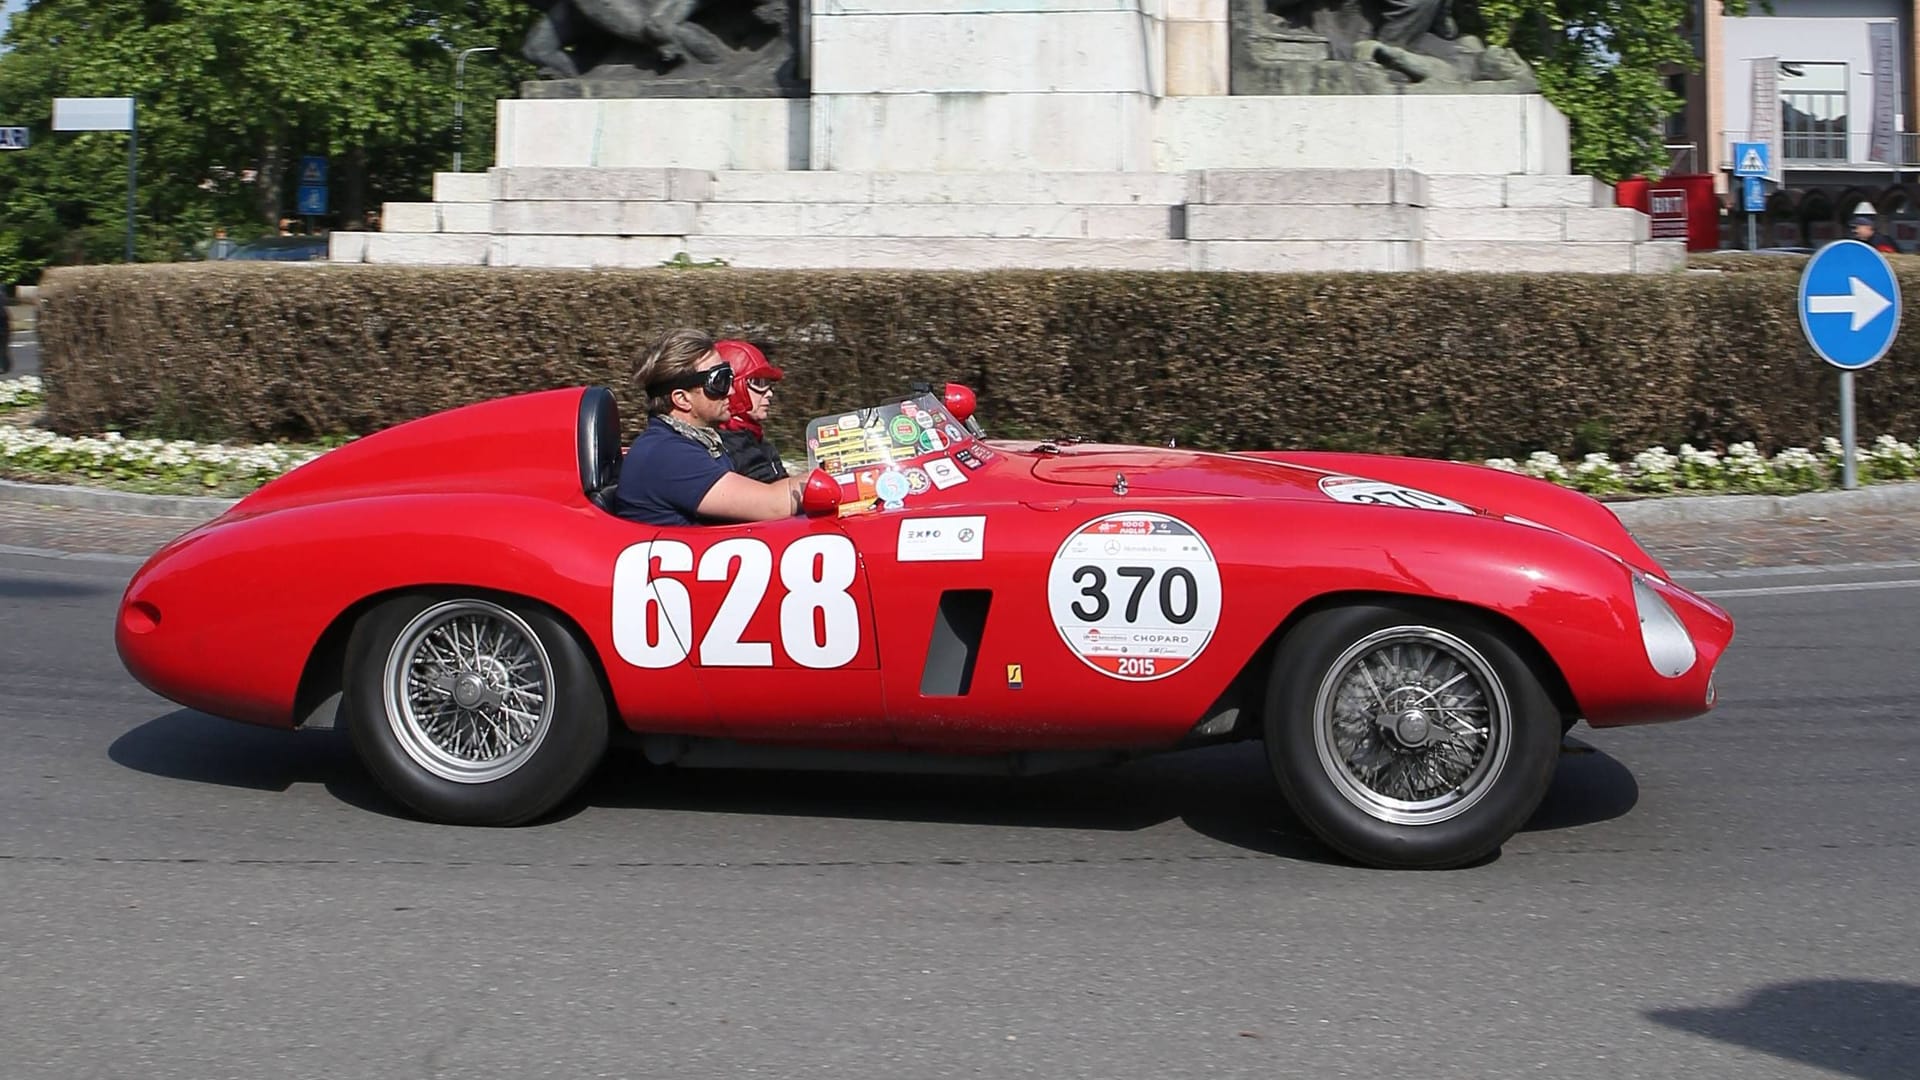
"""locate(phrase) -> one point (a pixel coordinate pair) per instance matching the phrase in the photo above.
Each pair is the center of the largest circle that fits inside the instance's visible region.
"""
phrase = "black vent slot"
(955, 644)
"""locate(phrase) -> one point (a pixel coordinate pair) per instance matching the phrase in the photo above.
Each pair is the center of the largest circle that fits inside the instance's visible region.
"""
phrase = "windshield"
(914, 438)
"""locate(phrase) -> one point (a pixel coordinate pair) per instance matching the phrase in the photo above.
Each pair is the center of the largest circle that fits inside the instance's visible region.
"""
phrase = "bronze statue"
(698, 48)
(1365, 47)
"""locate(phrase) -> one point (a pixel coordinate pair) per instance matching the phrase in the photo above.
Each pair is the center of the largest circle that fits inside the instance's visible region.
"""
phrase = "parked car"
(1411, 639)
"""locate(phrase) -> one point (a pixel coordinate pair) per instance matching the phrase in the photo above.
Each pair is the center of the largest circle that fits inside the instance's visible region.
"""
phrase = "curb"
(1659, 510)
(196, 507)
(1719, 509)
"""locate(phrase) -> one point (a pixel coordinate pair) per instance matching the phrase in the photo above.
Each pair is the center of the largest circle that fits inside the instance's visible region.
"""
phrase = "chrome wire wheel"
(1412, 725)
(469, 691)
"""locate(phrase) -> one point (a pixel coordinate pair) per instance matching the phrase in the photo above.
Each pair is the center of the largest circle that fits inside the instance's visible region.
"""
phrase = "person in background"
(1861, 225)
(221, 246)
(744, 435)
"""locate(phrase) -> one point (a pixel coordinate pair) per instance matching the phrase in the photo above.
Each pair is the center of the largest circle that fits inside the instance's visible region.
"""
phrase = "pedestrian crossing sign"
(313, 171)
(1752, 159)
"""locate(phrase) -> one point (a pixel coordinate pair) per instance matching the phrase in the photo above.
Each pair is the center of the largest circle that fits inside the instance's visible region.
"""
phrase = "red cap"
(747, 361)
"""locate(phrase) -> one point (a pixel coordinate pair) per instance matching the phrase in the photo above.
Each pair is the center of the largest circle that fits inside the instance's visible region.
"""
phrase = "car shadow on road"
(1589, 787)
(1226, 793)
(1854, 1027)
(192, 746)
(1221, 792)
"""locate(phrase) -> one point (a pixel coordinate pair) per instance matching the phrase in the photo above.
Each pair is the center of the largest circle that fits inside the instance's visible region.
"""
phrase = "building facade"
(1829, 85)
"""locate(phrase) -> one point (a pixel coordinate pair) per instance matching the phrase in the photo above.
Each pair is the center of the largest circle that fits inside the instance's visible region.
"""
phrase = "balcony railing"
(1830, 149)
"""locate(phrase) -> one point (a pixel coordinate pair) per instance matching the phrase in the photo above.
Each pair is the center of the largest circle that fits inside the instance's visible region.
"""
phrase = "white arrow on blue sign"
(1849, 304)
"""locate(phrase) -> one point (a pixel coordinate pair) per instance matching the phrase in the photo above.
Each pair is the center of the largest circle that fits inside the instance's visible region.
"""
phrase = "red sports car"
(1410, 638)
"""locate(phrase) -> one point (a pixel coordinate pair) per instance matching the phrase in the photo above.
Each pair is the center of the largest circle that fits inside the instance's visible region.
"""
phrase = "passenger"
(676, 472)
(743, 436)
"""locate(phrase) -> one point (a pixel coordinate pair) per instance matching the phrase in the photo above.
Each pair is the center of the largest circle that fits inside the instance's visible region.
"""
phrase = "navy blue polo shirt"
(665, 475)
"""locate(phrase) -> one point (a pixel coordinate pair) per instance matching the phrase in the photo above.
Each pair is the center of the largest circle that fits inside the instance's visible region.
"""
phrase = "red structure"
(1683, 206)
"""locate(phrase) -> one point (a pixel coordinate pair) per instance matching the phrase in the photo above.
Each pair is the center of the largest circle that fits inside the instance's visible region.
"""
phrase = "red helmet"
(748, 362)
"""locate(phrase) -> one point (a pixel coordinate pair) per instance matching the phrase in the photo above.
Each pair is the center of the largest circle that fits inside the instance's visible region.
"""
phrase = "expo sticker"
(943, 539)
(1353, 489)
(1135, 595)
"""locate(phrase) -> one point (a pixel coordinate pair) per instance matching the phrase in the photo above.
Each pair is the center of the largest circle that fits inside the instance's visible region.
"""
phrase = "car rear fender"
(257, 607)
(317, 699)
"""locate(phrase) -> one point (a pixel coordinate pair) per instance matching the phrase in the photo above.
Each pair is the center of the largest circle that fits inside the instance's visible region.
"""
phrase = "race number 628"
(653, 610)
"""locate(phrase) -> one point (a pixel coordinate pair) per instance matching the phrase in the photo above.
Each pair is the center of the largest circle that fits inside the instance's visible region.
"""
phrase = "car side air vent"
(955, 644)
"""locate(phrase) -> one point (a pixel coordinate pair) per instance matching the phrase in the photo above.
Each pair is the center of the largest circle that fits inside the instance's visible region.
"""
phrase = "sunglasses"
(763, 387)
(715, 382)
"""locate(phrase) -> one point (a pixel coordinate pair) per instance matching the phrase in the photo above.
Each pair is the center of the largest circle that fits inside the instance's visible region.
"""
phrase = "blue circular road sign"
(1849, 304)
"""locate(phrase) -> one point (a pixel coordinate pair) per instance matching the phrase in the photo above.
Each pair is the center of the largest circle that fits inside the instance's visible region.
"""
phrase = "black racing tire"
(1384, 767)
(471, 709)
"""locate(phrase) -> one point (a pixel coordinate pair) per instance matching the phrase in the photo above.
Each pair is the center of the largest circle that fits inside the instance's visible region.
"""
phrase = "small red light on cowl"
(821, 494)
(959, 402)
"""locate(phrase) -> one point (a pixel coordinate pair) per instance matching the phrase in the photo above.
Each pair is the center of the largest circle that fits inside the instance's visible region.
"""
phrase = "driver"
(677, 472)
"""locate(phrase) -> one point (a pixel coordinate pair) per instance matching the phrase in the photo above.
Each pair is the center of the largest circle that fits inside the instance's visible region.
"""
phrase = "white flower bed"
(113, 456)
(1654, 471)
(20, 392)
(1743, 468)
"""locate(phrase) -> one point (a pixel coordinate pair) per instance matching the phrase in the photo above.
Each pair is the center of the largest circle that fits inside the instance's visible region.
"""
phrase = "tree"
(1604, 63)
(231, 93)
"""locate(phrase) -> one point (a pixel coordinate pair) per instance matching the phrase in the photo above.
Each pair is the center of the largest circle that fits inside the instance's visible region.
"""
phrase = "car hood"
(1184, 472)
(1370, 482)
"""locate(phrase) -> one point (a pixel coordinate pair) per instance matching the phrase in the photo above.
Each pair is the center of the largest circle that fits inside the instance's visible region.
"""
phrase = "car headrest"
(599, 444)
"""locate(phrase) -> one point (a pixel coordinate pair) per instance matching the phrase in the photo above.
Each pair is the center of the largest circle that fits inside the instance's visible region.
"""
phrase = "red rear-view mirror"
(821, 495)
(959, 402)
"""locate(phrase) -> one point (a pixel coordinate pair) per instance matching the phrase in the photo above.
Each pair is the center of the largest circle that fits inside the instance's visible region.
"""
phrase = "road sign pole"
(1849, 473)
(1753, 232)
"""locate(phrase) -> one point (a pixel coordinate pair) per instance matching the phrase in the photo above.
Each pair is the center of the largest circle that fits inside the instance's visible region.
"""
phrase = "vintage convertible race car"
(1410, 638)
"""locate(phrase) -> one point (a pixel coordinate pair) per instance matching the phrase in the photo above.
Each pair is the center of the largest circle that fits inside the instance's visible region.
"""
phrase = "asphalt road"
(1730, 896)
(23, 354)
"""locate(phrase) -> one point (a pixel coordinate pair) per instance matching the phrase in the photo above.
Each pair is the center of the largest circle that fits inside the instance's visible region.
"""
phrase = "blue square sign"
(1752, 159)
(313, 201)
(1753, 192)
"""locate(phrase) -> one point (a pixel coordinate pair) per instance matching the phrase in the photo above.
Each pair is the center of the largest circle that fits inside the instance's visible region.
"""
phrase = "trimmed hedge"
(1445, 365)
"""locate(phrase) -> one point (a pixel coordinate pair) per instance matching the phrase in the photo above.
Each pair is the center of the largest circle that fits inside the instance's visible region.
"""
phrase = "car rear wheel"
(1409, 735)
(473, 711)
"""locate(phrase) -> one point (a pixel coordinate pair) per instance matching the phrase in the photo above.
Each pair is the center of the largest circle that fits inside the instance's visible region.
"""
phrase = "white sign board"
(1668, 208)
(93, 114)
(13, 138)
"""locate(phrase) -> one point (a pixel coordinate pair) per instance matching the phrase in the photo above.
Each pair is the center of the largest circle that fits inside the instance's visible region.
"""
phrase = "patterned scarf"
(705, 436)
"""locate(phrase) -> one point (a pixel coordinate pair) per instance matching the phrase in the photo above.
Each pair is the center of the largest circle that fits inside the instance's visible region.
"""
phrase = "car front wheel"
(471, 711)
(1409, 735)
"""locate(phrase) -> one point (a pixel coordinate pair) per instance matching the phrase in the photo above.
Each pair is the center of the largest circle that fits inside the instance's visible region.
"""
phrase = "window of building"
(1813, 111)
(1674, 130)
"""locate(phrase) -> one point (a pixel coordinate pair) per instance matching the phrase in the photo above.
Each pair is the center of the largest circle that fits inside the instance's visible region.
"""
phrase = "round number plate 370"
(1135, 595)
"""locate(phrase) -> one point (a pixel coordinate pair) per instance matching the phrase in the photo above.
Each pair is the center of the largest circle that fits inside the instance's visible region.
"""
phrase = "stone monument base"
(1105, 131)
(1209, 219)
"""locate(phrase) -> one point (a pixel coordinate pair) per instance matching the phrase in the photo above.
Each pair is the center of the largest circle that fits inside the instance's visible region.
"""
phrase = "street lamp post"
(460, 99)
